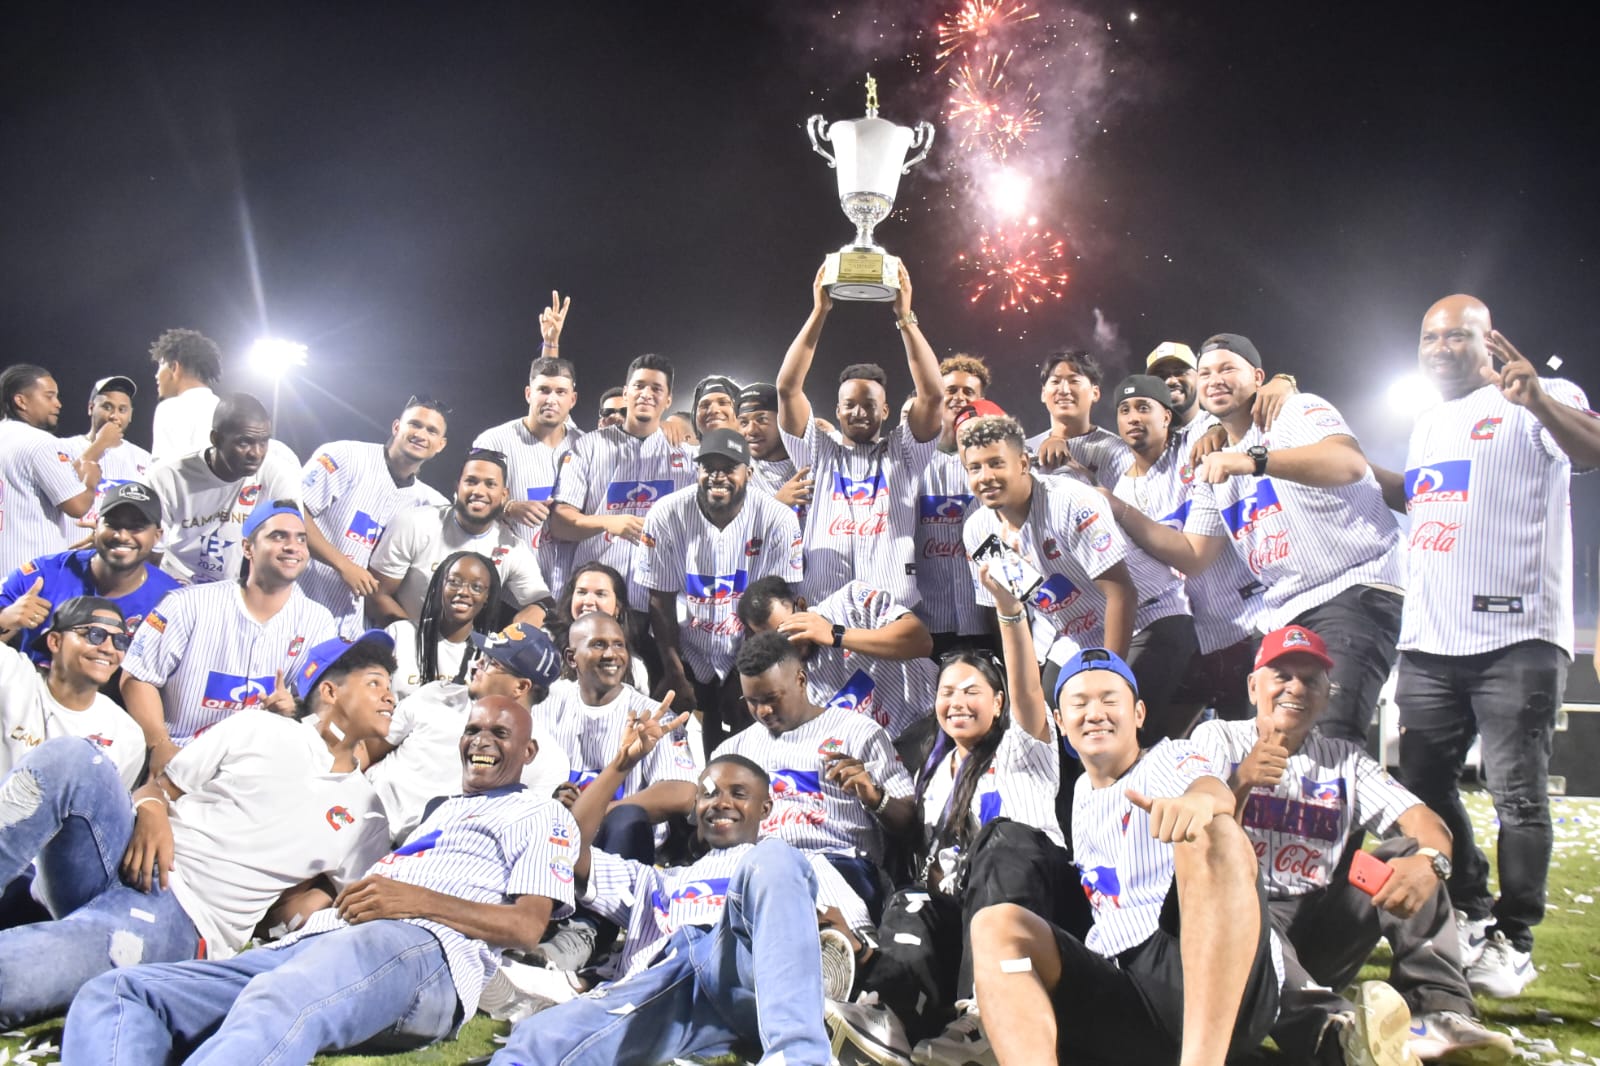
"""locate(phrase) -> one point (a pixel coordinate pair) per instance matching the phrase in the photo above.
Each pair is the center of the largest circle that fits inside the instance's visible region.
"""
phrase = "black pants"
(1130, 1009)
(1360, 627)
(1327, 937)
(1159, 656)
(924, 958)
(722, 710)
(1219, 680)
(1509, 697)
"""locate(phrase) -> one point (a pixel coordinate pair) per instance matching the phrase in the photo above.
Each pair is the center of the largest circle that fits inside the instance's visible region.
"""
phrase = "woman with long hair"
(458, 603)
(597, 587)
(986, 800)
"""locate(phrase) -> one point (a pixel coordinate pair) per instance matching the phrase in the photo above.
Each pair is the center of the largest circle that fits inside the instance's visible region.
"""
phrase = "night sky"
(415, 178)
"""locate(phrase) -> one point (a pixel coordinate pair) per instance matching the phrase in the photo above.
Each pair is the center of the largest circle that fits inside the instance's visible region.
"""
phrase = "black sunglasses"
(96, 635)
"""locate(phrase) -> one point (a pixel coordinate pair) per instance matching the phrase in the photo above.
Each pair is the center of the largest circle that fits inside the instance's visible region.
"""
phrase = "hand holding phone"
(1369, 873)
(1008, 567)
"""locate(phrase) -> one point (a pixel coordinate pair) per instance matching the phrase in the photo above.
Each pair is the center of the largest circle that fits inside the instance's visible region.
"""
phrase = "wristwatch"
(838, 635)
(1258, 455)
(1439, 861)
(909, 320)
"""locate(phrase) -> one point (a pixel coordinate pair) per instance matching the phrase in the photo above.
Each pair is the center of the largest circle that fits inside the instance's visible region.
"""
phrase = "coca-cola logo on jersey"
(1298, 860)
(1435, 536)
(949, 549)
(1273, 548)
(873, 525)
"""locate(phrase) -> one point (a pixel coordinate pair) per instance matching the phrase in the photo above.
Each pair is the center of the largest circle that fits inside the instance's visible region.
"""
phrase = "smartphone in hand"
(1016, 573)
(1369, 873)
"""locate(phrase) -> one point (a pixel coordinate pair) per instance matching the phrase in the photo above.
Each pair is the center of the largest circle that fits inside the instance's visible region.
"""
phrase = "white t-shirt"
(181, 424)
(408, 674)
(1489, 492)
(427, 727)
(36, 478)
(263, 810)
(419, 539)
(202, 516)
(895, 693)
(210, 658)
(118, 466)
(348, 491)
(612, 472)
(533, 466)
(709, 569)
(809, 811)
(30, 715)
(862, 521)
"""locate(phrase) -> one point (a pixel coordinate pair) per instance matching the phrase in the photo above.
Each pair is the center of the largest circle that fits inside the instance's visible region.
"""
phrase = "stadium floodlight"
(1411, 395)
(274, 357)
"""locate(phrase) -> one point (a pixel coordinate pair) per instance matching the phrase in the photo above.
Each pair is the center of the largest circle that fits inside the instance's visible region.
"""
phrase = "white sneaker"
(517, 991)
(1446, 1036)
(1375, 1035)
(1473, 934)
(859, 1035)
(1501, 971)
(838, 965)
(961, 1044)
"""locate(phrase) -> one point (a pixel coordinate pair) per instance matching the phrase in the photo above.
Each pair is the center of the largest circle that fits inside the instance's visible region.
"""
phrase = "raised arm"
(1027, 708)
(794, 410)
(923, 418)
(1577, 432)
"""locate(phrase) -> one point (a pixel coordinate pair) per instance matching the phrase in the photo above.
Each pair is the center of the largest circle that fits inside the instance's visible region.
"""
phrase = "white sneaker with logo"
(961, 1044)
(1375, 1035)
(1473, 934)
(865, 1035)
(1501, 971)
(1449, 1037)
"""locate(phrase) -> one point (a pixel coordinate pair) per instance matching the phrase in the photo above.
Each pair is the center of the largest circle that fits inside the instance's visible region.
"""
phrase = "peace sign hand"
(644, 731)
(553, 318)
(1517, 379)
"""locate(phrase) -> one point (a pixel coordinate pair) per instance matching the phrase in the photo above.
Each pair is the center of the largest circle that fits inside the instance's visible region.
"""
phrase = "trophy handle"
(817, 127)
(922, 139)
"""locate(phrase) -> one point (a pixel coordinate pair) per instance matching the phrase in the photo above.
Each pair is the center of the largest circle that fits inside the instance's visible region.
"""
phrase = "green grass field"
(1557, 1020)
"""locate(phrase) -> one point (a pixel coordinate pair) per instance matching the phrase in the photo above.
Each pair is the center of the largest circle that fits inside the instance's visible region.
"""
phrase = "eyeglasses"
(96, 636)
(613, 412)
(455, 584)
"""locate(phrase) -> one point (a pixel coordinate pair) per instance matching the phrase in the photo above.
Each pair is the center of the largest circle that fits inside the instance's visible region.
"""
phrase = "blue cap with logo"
(324, 655)
(523, 650)
(267, 509)
(1094, 659)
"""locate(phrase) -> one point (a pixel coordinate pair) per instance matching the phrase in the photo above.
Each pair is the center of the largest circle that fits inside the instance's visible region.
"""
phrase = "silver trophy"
(870, 155)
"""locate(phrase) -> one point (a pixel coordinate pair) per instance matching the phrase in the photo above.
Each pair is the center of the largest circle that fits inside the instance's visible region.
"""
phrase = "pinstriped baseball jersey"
(1101, 452)
(487, 848)
(944, 582)
(1071, 539)
(591, 736)
(202, 516)
(36, 477)
(418, 539)
(1225, 598)
(1126, 873)
(612, 472)
(862, 519)
(709, 569)
(209, 658)
(894, 693)
(809, 811)
(348, 491)
(1305, 544)
(771, 475)
(1489, 493)
(1299, 828)
(655, 903)
(120, 465)
(1020, 784)
(533, 466)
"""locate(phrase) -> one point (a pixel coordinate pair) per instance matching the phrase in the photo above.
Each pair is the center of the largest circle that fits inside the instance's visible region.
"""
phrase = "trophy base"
(861, 274)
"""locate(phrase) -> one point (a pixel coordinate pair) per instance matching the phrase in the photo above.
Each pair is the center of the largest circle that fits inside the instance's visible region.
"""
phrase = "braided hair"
(428, 634)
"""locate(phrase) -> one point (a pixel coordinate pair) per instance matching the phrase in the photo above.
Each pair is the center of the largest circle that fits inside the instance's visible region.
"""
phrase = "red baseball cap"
(1292, 640)
(978, 409)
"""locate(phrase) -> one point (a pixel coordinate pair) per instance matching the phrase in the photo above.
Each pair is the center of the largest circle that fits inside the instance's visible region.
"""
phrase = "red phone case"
(1368, 873)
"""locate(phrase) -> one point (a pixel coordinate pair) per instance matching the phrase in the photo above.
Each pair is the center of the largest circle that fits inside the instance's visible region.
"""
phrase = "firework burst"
(976, 25)
(991, 111)
(1016, 267)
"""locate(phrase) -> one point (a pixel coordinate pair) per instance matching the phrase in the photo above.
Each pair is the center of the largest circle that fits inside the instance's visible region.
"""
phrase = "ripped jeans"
(64, 807)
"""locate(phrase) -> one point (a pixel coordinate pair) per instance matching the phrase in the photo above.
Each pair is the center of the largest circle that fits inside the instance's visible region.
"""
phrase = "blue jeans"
(1360, 627)
(64, 807)
(755, 977)
(382, 985)
(1509, 697)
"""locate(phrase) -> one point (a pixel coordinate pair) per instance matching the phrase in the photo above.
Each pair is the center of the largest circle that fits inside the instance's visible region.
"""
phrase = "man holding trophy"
(862, 521)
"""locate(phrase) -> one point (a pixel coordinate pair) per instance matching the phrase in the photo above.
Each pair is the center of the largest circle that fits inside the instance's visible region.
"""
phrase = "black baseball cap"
(714, 384)
(132, 494)
(1147, 386)
(1233, 342)
(80, 611)
(726, 443)
(758, 396)
(114, 383)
